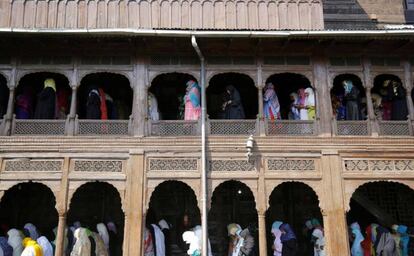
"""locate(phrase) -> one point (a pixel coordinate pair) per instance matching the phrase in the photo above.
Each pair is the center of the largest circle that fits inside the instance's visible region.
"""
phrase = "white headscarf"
(32, 230)
(320, 241)
(103, 232)
(82, 246)
(310, 99)
(46, 246)
(153, 107)
(15, 241)
(190, 238)
(159, 241)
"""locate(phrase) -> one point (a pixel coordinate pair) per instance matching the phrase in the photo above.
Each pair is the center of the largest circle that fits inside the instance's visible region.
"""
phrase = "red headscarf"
(367, 243)
(104, 110)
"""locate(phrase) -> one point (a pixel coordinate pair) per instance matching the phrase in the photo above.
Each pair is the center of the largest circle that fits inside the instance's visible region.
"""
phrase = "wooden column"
(322, 95)
(262, 203)
(336, 231)
(72, 112)
(62, 208)
(368, 86)
(134, 208)
(408, 82)
(8, 118)
(139, 105)
(259, 86)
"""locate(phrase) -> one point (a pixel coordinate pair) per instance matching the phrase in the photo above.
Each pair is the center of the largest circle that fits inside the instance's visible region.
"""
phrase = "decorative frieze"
(378, 165)
(232, 165)
(291, 164)
(98, 166)
(173, 164)
(32, 165)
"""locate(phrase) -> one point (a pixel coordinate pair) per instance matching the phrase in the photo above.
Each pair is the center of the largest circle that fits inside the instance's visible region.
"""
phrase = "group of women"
(101, 106)
(51, 103)
(285, 240)
(381, 241)
(78, 241)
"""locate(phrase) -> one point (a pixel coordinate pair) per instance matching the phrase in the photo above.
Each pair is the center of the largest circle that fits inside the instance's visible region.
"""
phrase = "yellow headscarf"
(50, 82)
(30, 242)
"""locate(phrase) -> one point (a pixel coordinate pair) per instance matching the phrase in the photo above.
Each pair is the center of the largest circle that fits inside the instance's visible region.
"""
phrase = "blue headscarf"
(194, 96)
(7, 249)
(288, 233)
(348, 86)
(276, 224)
(356, 249)
(404, 240)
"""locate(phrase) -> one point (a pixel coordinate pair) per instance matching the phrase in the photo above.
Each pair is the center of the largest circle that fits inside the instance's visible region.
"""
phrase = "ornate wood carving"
(32, 165)
(378, 165)
(291, 164)
(98, 166)
(173, 164)
(232, 165)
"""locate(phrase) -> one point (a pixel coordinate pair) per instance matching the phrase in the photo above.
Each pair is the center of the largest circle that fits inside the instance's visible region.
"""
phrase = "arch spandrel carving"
(333, 74)
(252, 74)
(22, 73)
(252, 184)
(350, 186)
(6, 74)
(308, 74)
(128, 75)
(152, 74)
(315, 185)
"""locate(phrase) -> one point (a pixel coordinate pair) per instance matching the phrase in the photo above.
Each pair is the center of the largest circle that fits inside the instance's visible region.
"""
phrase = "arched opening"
(4, 96)
(243, 97)
(176, 203)
(29, 203)
(294, 203)
(389, 97)
(232, 202)
(348, 98)
(384, 203)
(169, 91)
(43, 95)
(98, 202)
(287, 87)
(105, 96)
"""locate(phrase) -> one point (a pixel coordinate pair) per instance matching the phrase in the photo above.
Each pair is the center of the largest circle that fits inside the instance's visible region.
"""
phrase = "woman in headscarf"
(294, 111)
(159, 240)
(399, 102)
(396, 236)
(103, 106)
(100, 249)
(153, 113)
(190, 238)
(310, 103)
(82, 245)
(31, 248)
(303, 112)
(192, 101)
(241, 241)
(148, 243)
(318, 238)
(352, 101)
(386, 94)
(367, 243)
(93, 104)
(404, 239)
(6, 248)
(232, 106)
(271, 106)
(277, 245)
(377, 105)
(15, 241)
(289, 241)
(357, 238)
(103, 232)
(385, 244)
(31, 230)
(46, 246)
(46, 101)
(24, 104)
(114, 246)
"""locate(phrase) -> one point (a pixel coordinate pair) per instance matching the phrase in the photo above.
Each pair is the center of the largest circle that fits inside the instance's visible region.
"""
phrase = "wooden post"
(72, 112)
(62, 207)
(262, 209)
(408, 84)
(134, 209)
(333, 208)
(259, 86)
(139, 105)
(322, 96)
(368, 86)
(9, 114)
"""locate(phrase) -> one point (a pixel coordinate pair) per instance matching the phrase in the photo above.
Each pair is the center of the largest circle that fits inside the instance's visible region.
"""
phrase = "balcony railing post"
(130, 124)
(76, 125)
(70, 127)
(261, 126)
(334, 127)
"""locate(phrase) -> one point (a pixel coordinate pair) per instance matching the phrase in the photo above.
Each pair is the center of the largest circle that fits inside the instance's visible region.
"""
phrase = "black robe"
(234, 110)
(399, 103)
(290, 248)
(93, 106)
(114, 244)
(46, 104)
(352, 105)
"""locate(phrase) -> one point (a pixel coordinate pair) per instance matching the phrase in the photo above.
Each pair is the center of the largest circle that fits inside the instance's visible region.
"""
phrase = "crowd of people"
(102, 240)
(381, 241)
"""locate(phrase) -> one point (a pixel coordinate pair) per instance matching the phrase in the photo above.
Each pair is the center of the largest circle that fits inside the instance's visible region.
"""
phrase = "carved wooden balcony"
(102, 127)
(174, 128)
(32, 127)
(234, 127)
(395, 128)
(290, 127)
(351, 128)
(178, 14)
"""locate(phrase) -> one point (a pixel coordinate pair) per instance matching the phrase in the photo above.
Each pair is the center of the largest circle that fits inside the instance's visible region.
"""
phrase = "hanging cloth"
(104, 109)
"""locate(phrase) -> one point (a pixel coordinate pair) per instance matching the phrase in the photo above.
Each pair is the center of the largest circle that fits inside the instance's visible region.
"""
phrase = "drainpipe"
(204, 249)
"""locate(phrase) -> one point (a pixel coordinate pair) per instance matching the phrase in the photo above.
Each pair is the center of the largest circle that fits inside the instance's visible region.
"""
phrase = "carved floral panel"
(98, 166)
(378, 165)
(291, 164)
(173, 164)
(232, 165)
(30, 165)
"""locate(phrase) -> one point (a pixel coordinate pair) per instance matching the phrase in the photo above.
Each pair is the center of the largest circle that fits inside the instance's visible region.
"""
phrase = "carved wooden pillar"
(368, 86)
(72, 112)
(139, 105)
(62, 208)
(134, 200)
(322, 96)
(262, 201)
(333, 211)
(8, 118)
(408, 82)
(259, 86)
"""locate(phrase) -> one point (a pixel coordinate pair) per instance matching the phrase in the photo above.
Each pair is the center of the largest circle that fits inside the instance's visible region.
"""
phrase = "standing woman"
(46, 102)
(352, 99)
(356, 249)
(232, 106)
(288, 238)
(303, 113)
(294, 111)
(271, 103)
(310, 103)
(192, 101)
(93, 104)
(277, 243)
(399, 102)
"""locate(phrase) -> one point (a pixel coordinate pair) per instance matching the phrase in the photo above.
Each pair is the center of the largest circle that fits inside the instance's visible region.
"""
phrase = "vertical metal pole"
(204, 249)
